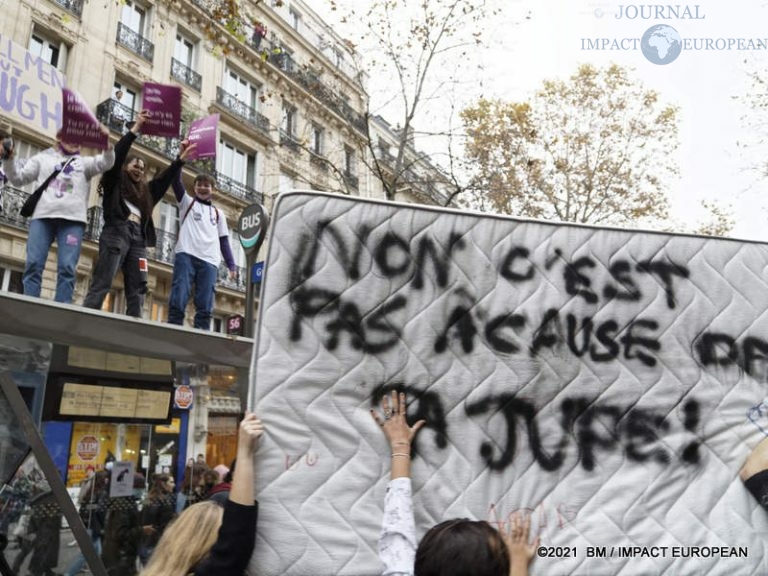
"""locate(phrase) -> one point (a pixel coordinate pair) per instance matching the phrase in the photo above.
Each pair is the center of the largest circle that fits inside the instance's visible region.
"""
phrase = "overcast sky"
(532, 41)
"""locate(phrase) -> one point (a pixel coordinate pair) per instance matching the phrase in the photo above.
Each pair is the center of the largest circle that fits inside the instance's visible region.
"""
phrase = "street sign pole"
(252, 228)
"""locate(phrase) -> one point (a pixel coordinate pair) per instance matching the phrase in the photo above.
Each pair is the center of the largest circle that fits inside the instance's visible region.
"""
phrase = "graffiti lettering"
(603, 343)
(429, 407)
(750, 354)
(596, 428)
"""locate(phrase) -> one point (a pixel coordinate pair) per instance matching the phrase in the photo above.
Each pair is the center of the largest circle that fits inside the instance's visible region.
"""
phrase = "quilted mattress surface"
(608, 382)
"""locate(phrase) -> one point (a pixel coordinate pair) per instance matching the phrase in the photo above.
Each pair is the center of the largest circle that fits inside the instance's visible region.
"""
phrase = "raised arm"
(170, 175)
(101, 162)
(20, 172)
(397, 542)
(251, 430)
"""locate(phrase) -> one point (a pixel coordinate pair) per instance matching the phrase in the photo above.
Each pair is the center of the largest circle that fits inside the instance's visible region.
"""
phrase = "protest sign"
(31, 88)
(79, 124)
(203, 133)
(164, 106)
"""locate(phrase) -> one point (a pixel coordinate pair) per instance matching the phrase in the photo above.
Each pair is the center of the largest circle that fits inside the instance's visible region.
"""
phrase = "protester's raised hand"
(186, 149)
(141, 117)
(393, 422)
(521, 552)
(250, 431)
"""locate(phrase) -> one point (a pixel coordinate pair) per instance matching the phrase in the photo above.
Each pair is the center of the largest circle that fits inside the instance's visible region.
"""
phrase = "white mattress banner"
(607, 381)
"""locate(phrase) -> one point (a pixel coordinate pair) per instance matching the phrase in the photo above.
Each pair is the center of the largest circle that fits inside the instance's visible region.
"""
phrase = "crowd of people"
(212, 530)
(62, 177)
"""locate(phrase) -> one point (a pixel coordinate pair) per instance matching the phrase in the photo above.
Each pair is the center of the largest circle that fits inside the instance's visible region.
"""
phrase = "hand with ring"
(396, 429)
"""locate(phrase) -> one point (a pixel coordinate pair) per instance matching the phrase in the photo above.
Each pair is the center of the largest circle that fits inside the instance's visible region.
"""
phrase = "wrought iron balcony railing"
(11, 201)
(236, 283)
(351, 180)
(135, 42)
(73, 6)
(94, 224)
(164, 250)
(185, 74)
(242, 110)
(235, 188)
(165, 246)
(289, 141)
(114, 115)
(318, 161)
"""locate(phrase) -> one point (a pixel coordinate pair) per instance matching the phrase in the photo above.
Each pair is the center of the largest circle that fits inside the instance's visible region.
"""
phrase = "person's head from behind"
(186, 541)
(204, 188)
(462, 547)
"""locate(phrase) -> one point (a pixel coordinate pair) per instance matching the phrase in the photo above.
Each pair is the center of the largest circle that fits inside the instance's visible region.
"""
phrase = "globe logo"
(661, 44)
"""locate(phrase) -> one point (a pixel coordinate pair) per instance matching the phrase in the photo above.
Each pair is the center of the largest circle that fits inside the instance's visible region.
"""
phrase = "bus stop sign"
(253, 227)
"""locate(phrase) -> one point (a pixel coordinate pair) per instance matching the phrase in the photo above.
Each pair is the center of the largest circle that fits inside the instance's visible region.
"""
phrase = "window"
(288, 125)
(48, 49)
(317, 140)
(350, 163)
(338, 57)
(10, 280)
(294, 18)
(134, 17)
(242, 89)
(236, 164)
(184, 51)
(169, 217)
(127, 98)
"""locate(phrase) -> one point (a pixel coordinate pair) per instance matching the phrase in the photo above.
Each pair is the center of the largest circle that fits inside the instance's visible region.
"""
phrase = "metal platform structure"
(29, 330)
(72, 325)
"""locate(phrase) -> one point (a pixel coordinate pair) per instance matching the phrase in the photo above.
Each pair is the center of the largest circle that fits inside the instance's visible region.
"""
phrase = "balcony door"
(242, 89)
(134, 17)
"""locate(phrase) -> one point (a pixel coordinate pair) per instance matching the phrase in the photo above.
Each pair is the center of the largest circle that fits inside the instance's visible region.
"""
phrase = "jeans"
(120, 248)
(69, 238)
(78, 563)
(189, 269)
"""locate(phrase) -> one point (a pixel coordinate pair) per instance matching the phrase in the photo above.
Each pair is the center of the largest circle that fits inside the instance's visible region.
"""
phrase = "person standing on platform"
(203, 239)
(61, 212)
(128, 202)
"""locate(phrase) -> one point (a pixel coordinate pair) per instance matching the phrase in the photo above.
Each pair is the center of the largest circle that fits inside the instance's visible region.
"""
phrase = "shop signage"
(183, 397)
(88, 448)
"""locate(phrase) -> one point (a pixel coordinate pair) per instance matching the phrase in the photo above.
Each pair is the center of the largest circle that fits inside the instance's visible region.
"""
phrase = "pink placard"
(203, 133)
(164, 105)
(79, 125)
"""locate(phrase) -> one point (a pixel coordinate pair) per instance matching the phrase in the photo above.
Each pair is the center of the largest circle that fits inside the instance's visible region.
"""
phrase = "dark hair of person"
(136, 193)
(159, 482)
(207, 178)
(462, 547)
